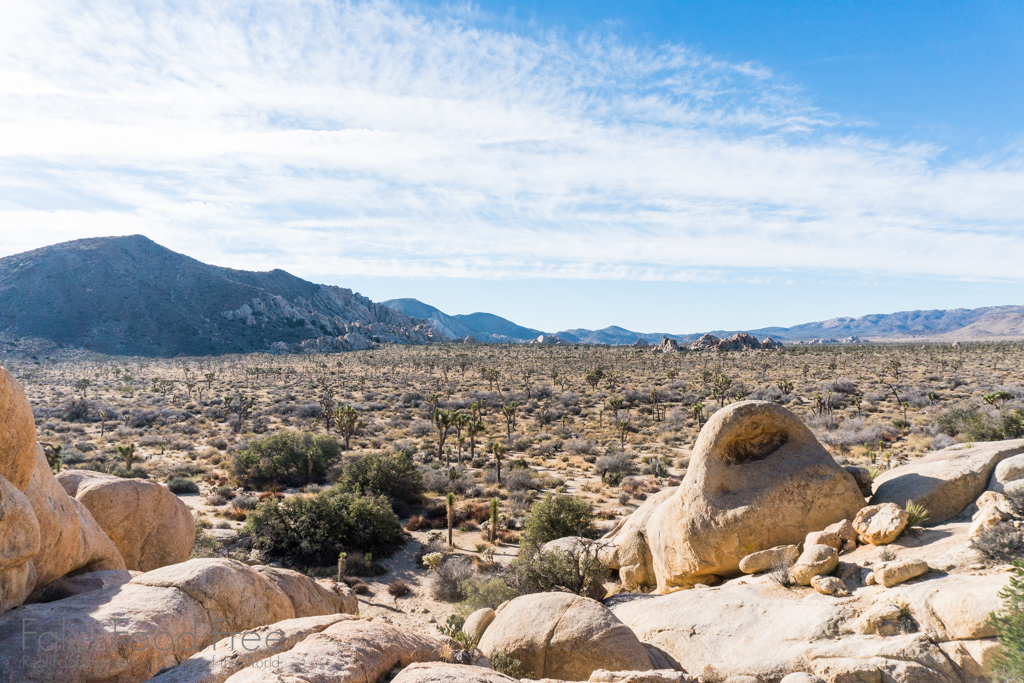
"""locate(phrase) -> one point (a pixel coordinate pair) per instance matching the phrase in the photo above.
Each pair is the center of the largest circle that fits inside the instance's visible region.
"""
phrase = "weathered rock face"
(70, 586)
(559, 635)
(354, 651)
(228, 656)
(758, 628)
(880, 524)
(764, 560)
(477, 623)
(815, 560)
(626, 547)
(947, 481)
(72, 541)
(439, 672)
(173, 612)
(757, 479)
(17, 433)
(310, 598)
(1008, 475)
(19, 543)
(149, 525)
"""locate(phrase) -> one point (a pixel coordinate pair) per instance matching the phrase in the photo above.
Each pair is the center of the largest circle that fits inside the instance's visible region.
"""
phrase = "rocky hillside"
(482, 327)
(129, 295)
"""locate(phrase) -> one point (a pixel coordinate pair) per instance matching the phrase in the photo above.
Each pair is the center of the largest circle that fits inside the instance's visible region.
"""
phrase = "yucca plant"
(918, 514)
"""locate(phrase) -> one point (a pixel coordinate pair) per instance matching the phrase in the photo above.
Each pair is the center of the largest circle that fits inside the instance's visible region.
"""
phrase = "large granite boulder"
(561, 635)
(19, 543)
(440, 672)
(1008, 475)
(71, 540)
(228, 656)
(354, 651)
(944, 482)
(756, 627)
(128, 633)
(148, 524)
(757, 479)
(17, 433)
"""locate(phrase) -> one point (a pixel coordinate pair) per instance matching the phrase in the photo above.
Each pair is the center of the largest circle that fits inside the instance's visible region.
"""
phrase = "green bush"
(311, 530)
(182, 486)
(484, 591)
(383, 474)
(578, 571)
(285, 459)
(1009, 624)
(555, 517)
(970, 421)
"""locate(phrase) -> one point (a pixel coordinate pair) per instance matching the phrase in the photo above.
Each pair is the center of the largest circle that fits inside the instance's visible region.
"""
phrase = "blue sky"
(664, 166)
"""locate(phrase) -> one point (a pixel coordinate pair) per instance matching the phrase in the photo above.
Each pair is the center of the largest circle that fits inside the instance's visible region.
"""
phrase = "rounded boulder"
(149, 525)
(563, 636)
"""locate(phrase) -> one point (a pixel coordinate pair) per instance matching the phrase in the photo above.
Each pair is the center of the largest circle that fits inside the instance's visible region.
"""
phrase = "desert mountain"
(484, 327)
(129, 295)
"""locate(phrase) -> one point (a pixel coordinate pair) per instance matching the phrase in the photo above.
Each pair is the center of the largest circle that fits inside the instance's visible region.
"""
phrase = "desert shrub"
(285, 459)
(580, 446)
(555, 517)
(398, 589)
(519, 480)
(614, 468)
(313, 529)
(484, 591)
(970, 421)
(1001, 543)
(384, 474)
(180, 486)
(446, 582)
(205, 544)
(1009, 624)
(578, 571)
(1012, 424)
(245, 502)
(510, 666)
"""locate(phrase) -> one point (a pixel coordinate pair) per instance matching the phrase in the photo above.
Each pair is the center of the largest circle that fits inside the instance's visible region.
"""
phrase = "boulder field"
(766, 565)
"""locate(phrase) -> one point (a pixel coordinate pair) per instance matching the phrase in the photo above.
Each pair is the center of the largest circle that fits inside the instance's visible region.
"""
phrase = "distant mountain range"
(975, 324)
(129, 295)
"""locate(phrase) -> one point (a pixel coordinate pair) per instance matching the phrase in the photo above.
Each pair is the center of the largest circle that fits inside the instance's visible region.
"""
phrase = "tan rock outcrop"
(128, 633)
(351, 651)
(71, 538)
(228, 656)
(308, 597)
(17, 433)
(626, 548)
(560, 635)
(440, 672)
(477, 623)
(947, 481)
(880, 524)
(19, 543)
(148, 524)
(829, 585)
(892, 573)
(766, 560)
(1008, 475)
(815, 560)
(757, 479)
(70, 586)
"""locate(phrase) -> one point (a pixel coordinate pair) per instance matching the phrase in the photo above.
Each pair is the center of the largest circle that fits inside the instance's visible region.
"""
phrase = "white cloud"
(364, 138)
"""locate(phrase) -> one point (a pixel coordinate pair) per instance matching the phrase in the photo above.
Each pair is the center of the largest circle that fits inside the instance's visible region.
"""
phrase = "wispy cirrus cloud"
(379, 139)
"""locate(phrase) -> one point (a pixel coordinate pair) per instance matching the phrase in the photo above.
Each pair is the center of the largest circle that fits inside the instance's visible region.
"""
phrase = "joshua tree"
(82, 386)
(460, 421)
(127, 454)
(697, 410)
(594, 377)
(443, 422)
(347, 423)
(326, 391)
(493, 531)
(656, 399)
(498, 450)
(474, 427)
(623, 428)
(53, 456)
(785, 386)
(508, 411)
(615, 404)
(450, 504)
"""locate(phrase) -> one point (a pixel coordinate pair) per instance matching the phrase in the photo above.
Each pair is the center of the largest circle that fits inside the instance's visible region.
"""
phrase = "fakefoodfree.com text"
(96, 644)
